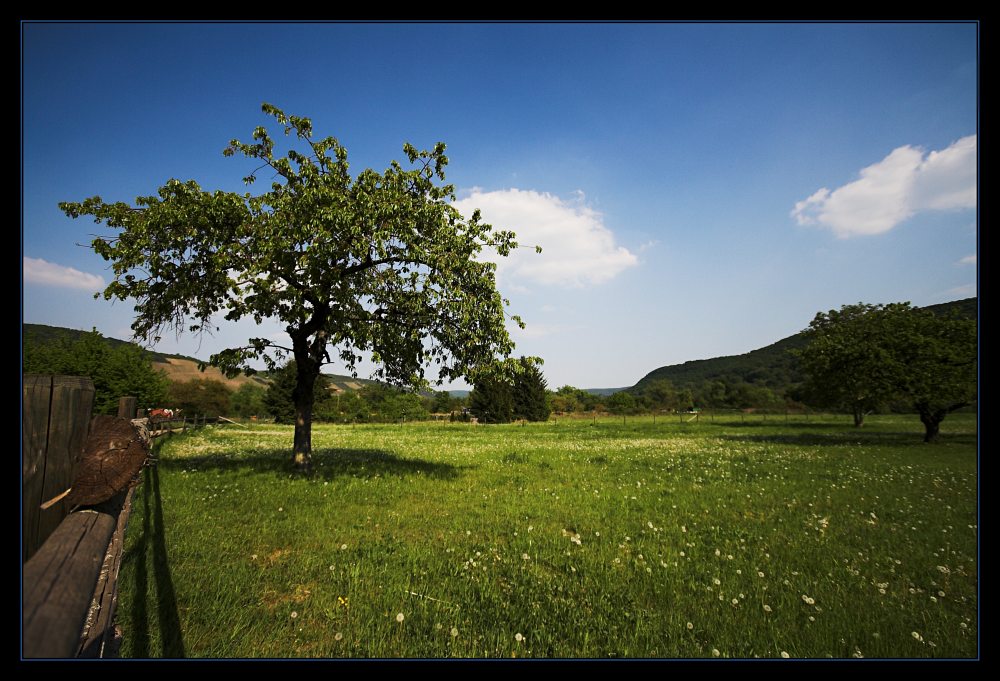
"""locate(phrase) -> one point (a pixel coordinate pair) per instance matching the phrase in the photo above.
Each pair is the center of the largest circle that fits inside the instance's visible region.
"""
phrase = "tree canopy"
(863, 356)
(530, 393)
(380, 264)
(850, 361)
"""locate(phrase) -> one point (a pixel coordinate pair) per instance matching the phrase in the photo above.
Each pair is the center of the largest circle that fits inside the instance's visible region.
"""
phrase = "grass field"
(569, 539)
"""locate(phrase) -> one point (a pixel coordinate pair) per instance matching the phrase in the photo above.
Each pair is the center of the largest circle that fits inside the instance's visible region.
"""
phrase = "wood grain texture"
(59, 582)
(69, 421)
(36, 396)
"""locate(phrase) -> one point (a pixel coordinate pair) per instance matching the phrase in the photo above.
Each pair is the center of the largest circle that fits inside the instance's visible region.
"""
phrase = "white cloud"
(577, 249)
(38, 271)
(968, 260)
(904, 183)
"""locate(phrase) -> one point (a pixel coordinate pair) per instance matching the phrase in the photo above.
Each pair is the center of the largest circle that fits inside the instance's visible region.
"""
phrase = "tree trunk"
(303, 395)
(859, 417)
(932, 424)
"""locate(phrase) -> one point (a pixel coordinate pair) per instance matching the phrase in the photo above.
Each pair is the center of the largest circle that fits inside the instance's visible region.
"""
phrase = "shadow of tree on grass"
(327, 463)
(841, 438)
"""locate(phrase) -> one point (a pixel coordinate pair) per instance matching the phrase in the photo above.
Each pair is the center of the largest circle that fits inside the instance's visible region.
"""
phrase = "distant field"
(569, 539)
(183, 370)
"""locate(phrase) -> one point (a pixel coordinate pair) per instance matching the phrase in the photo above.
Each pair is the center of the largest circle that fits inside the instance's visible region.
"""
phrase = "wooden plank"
(37, 393)
(98, 638)
(59, 583)
(69, 422)
(126, 407)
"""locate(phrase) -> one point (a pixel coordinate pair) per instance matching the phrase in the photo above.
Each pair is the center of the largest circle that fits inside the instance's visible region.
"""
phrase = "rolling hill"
(772, 366)
(181, 367)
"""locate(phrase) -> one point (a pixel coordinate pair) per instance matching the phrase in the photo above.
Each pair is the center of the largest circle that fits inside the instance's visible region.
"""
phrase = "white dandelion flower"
(784, 654)
(400, 617)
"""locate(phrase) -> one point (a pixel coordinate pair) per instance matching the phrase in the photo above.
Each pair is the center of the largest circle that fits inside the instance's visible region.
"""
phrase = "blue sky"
(698, 189)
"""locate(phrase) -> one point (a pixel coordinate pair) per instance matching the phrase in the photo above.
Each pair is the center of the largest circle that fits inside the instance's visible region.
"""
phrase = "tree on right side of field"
(849, 361)
(531, 394)
(865, 355)
(940, 360)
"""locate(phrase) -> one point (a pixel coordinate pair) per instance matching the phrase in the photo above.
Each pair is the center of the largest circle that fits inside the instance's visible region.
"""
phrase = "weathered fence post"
(126, 407)
(55, 422)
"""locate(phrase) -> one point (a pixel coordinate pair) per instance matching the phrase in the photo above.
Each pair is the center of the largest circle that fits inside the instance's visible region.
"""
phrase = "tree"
(658, 394)
(621, 403)
(116, 371)
(492, 400)
(381, 263)
(442, 402)
(248, 401)
(939, 358)
(849, 361)
(866, 355)
(201, 397)
(279, 400)
(530, 393)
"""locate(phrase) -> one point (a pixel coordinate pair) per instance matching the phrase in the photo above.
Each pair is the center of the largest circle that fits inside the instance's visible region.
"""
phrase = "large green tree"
(865, 355)
(939, 356)
(849, 361)
(379, 263)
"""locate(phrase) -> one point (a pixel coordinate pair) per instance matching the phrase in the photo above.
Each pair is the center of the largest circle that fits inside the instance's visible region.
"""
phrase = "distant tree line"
(116, 370)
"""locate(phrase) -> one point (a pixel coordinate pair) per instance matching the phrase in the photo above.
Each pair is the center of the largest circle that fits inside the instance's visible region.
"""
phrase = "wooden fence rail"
(71, 560)
(55, 422)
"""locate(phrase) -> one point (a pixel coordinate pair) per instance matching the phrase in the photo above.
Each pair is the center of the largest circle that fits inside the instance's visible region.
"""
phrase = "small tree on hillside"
(380, 263)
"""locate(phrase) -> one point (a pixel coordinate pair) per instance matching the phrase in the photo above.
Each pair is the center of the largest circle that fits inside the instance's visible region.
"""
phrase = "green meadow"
(569, 539)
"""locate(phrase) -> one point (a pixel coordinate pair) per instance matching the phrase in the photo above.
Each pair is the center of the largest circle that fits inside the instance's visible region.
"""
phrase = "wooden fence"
(70, 559)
